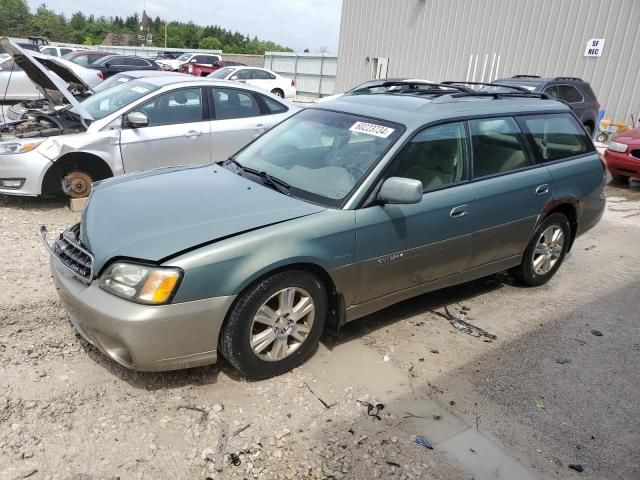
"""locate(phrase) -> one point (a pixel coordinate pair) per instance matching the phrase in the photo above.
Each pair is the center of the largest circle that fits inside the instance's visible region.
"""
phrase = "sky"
(297, 24)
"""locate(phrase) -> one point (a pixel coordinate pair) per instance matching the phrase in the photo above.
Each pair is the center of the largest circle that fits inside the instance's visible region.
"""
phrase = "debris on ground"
(597, 333)
(324, 404)
(539, 404)
(386, 358)
(222, 446)
(420, 440)
(590, 247)
(392, 464)
(435, 351)
(240, 430)
(373, 410)
(204, 415)
(563, 361)
(461, 323)
(577, 467)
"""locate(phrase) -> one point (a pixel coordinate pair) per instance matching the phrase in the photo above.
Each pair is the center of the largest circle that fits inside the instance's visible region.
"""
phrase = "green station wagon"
(343, 209)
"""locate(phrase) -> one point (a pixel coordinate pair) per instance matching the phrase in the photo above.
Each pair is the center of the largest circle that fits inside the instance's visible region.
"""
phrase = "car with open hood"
(17, 85)
(138, 124)
(341, 210)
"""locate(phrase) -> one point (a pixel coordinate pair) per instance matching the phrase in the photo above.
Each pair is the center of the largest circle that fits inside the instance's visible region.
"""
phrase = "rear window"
(273, 106)
(556, 137)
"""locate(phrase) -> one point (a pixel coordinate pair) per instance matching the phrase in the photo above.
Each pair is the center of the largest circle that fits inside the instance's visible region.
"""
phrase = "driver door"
(178, 132)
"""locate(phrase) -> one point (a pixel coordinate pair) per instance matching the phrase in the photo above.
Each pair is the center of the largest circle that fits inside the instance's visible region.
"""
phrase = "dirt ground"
(546, 393)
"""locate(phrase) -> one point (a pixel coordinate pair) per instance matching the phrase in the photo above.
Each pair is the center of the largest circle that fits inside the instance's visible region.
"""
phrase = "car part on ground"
(341, 194)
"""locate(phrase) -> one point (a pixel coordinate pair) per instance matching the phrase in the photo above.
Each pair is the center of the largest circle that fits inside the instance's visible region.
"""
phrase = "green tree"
(15, 19)
(210, 43)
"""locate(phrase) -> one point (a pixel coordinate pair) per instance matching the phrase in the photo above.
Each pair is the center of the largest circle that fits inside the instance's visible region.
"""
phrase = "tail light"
(293, 82)
(100, 75)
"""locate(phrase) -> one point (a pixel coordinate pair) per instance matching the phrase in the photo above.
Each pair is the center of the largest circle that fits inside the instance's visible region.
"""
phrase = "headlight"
(141, 283)
(617, 147)
(18, 147)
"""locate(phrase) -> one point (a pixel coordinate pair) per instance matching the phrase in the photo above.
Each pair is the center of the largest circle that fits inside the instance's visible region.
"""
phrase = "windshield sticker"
(138, 89)
(372, 129)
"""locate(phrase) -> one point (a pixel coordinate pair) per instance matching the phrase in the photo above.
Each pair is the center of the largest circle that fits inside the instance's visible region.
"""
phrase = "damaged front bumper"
(139, 337)
(24, 169)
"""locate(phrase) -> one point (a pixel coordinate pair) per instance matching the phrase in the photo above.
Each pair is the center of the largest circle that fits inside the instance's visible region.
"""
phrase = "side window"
(180, 106)
(231, 103)
(242, 74)
(569, 94)
(556, 137)
(50, 51)
(64, 51)
(273, 106)
(199, 59)
(261, 75)
(436, 156)
(137, 62)
(497, 146)
(552, 91)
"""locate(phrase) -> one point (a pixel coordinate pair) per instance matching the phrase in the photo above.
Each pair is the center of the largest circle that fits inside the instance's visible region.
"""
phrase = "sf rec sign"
(594, 47)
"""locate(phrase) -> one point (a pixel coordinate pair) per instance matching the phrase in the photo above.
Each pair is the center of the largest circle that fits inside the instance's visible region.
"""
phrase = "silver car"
(136, 125)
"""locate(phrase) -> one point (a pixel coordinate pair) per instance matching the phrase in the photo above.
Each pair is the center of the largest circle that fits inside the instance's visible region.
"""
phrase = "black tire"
(235, 336)
(620, 178)
(526, 273)
(277, 92)
(589, 129)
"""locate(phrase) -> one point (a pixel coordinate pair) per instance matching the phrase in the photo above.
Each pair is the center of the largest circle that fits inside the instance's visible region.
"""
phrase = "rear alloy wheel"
(545, 252)
(277, 92)
(275, 324)
(77, 184)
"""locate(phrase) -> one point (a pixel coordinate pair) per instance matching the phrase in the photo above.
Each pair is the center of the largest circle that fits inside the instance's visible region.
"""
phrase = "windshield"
(322, 155)
(112, 99)
(222, 73)
(184, 57)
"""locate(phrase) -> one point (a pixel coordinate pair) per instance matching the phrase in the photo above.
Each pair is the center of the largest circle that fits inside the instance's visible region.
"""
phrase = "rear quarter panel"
(580, 182)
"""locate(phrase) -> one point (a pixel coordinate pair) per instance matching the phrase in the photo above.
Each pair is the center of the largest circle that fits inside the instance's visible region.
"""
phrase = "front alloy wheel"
(275, 324)
(282, 324)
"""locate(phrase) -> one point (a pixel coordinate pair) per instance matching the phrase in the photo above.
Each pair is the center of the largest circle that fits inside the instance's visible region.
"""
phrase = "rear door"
(511, 190)
(262, 79)
(178, 132)
(238, 118)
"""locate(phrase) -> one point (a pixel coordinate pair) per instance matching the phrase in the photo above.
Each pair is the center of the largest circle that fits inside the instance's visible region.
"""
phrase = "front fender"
(325, 239)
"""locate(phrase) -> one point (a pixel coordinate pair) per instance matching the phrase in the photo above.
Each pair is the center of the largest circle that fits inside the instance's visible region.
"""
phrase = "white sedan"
(260, 77)
(21, 88)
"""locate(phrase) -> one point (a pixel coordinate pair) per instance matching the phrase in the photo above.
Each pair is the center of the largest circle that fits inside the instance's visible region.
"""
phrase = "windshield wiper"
(268, 180)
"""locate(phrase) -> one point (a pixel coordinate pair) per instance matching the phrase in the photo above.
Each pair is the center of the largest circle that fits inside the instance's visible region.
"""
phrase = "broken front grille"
(72, 254)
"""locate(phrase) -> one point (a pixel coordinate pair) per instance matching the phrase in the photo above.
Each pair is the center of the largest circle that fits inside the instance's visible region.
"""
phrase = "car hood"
(159, 213)
(53, 78)
(629, 137)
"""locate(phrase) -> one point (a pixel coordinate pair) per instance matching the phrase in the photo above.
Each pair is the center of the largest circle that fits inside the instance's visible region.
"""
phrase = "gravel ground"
(68, 412)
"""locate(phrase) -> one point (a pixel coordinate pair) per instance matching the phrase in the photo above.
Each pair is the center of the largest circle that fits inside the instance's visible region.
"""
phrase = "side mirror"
(136, 120)
(216, 65)
(402, 191)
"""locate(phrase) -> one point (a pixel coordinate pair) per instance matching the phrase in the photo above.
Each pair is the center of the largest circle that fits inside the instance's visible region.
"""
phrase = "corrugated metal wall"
(315, 74)
(485, 39)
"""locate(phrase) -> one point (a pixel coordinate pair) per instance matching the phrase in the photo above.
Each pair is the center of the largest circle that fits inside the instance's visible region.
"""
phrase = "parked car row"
(136, 122)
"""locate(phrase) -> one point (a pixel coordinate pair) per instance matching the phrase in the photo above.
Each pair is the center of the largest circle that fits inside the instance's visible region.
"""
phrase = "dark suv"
(573, 91)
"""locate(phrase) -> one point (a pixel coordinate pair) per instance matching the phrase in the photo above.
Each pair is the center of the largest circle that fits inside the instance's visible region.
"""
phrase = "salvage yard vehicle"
(260, 77)
(207, 59)
(341, 210)
(135, 125)
(16, 85)
(623, 155)
(574, 91)
(111, 64)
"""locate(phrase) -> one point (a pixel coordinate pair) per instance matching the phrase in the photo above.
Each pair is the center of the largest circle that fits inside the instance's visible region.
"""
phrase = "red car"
(623, 155)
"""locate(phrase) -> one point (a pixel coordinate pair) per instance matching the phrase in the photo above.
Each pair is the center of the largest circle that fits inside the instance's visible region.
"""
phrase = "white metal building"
(481, 40)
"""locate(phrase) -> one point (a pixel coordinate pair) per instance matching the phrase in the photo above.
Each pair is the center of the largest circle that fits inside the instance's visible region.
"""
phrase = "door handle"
(192, 134)
(542, 189)
(259, 126)
(459, 211)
